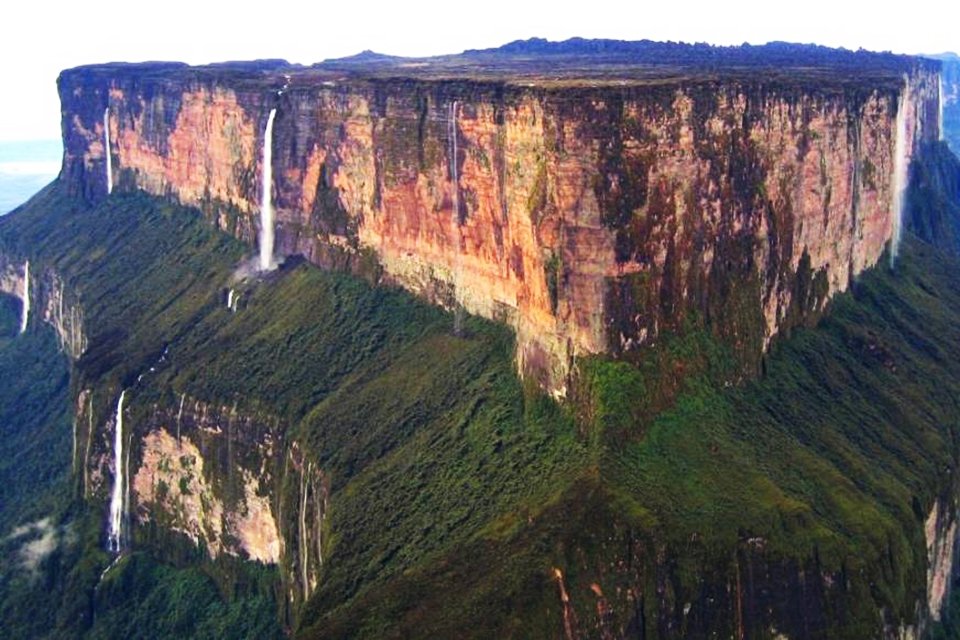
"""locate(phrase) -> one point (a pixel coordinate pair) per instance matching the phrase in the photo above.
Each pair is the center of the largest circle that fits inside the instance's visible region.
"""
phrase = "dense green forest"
(464, 500)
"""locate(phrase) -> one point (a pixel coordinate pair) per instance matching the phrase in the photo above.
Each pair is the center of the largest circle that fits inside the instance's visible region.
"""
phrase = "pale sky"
(44, 36)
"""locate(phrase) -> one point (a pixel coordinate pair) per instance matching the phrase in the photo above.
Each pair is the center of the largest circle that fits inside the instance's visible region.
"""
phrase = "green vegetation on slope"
(836, 454)
(668, 501)
(829, 464)
(426, 438)
(424, 435)
(146, 599)
(35, 433)
(35, 420)
(144, 272)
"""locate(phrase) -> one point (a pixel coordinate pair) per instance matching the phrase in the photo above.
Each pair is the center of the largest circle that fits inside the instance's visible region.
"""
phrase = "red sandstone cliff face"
(589, 219)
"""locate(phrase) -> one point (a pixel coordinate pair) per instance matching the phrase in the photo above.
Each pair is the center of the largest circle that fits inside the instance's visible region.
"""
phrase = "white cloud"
(33, 553)
(24, 529)
(44, 538)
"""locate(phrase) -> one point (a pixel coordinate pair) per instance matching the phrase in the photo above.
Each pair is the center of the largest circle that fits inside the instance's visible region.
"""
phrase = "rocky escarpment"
(600, 216)
(591, 216)
(381, 473)
(950, 98)
(223, 479)
(14, 281)
(208, 473)
(940, 531)
(46, 297)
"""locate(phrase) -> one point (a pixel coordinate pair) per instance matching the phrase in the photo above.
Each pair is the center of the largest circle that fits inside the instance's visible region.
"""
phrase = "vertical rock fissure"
(86, 455)
(940, 105)
(457, 222)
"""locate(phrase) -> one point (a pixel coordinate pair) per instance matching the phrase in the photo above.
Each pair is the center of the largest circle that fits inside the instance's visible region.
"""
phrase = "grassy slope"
(34, 464)
(35, 419)
(832, 459)
(145, 273)
(426, 437)
(424, 434)
(836, 453)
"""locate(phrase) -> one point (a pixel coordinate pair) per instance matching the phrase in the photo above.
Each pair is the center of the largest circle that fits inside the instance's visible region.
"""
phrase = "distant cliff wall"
(591, 219)
(226, 480)
(50, 301)
(950, 94)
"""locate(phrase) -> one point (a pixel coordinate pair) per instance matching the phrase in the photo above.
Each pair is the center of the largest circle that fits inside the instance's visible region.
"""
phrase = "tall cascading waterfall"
(25, 312)
(900, 175)
(266, 203)
(117, 497)
(106, 149)
(455, 179)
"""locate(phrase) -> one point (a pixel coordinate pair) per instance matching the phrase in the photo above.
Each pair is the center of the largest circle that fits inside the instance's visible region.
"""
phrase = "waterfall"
(304, 557)
(233, 300)
(183, 397)
(73, 449)
(900, 176)
(115, 537)
(266, 205)
(86, 455)
(25, 313)
(106, 147)
(455, 179)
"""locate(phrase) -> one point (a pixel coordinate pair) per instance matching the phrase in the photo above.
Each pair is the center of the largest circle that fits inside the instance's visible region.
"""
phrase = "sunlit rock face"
(207, 472)
(226, 481)
(591, 217)
(940, 532)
